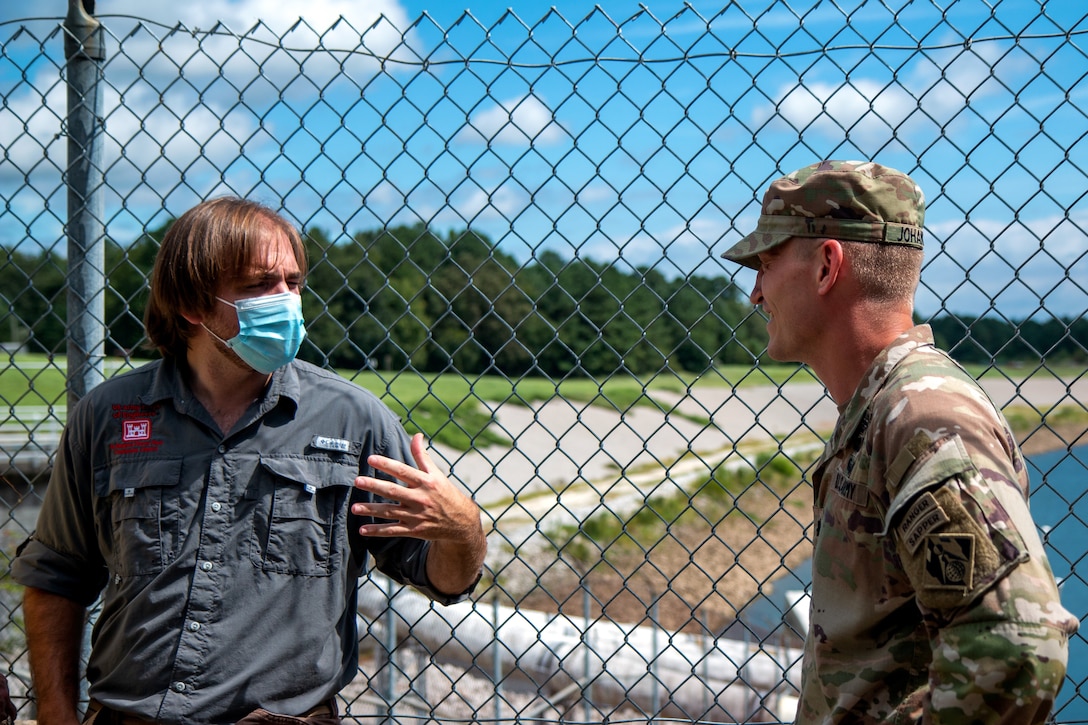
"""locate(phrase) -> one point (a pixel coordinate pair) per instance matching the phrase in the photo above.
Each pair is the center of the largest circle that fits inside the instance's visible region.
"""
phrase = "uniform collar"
(854, 416)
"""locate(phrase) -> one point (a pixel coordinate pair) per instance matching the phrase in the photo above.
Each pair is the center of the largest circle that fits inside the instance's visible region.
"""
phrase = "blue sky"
(639, 160)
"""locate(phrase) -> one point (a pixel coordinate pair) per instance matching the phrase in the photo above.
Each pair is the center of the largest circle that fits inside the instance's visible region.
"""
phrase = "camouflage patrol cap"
(857, 201)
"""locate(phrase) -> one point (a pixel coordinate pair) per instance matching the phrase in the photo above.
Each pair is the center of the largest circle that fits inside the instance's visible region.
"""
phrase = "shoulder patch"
(950, 562)
(923, 516)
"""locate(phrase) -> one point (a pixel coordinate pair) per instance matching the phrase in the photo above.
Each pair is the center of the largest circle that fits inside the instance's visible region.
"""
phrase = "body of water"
(1059, 504)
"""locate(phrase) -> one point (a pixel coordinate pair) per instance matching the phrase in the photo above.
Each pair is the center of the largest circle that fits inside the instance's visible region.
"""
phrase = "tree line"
(406, 297)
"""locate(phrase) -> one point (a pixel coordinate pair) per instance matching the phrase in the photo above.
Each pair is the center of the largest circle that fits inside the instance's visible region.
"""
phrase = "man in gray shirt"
(223, 502)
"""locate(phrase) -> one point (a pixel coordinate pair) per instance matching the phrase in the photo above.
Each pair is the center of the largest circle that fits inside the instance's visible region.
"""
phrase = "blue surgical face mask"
(270, 330)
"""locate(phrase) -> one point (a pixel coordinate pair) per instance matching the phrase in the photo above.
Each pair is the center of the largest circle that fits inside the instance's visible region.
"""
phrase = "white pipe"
(745, 682)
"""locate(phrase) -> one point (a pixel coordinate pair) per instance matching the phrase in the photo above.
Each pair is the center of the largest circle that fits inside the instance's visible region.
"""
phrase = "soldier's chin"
(779, 355)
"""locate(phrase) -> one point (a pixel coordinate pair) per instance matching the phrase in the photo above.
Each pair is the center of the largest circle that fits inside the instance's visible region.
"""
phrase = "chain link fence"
(514, 227)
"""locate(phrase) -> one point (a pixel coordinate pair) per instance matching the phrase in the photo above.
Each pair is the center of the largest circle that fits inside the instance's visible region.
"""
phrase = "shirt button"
(206, 566)
(194, 626)
(179, 686)
(217, 506)
(222, 449)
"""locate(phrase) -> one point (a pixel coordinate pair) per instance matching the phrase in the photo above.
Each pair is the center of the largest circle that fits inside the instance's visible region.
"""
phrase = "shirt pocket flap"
(308, 477)
(317, 473)
(130, 481)
(947, 458)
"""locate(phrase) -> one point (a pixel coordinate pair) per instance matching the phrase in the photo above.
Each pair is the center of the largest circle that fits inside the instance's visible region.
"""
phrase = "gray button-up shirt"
(227, 565)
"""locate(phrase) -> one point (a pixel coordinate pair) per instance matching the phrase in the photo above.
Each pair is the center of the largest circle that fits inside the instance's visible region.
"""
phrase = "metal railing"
(514, 226)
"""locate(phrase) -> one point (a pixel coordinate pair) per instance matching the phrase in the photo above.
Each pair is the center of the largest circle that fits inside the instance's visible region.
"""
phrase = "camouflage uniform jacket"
(932, 598)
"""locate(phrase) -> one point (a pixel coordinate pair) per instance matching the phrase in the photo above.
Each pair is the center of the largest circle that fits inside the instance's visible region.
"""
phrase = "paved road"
(567, 458)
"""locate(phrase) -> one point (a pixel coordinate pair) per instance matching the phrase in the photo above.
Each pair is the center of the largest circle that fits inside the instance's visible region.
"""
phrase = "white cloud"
(30, 133)
(288, 51)
(970, 265)
(516, 122)
(332, 23)
(238, 15)
(863, 108)
(926, 95)
(181, 106)
(473, 205)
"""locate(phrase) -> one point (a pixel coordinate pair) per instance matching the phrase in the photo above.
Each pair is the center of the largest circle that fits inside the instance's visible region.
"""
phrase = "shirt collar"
(854, 415)
(285, 386)
(168, 383)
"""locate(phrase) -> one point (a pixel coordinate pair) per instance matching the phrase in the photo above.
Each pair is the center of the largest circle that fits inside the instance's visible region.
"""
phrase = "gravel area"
(571, 460)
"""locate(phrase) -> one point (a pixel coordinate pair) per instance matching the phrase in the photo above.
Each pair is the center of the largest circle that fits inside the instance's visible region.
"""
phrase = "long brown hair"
(214, 241)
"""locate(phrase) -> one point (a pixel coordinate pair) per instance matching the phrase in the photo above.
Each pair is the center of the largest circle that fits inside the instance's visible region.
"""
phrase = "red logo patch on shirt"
(135, 420)
(136, 430)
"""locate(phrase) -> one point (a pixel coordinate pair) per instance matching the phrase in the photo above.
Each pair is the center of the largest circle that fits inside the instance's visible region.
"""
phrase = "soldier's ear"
(830, 262)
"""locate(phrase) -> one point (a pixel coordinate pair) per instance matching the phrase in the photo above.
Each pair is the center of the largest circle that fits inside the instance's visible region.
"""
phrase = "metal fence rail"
(514, 226)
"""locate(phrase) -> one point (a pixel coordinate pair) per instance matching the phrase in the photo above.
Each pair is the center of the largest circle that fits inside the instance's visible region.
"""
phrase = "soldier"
(932, 597)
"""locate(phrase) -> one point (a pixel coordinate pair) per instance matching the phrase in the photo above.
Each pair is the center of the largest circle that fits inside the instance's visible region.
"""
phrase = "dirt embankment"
(702, 573)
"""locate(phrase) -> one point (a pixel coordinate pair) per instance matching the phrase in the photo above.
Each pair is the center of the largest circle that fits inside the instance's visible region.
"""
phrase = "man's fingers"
(397, 469)
(420, 455)
(385, 489)
(389, 511)
(413, 477)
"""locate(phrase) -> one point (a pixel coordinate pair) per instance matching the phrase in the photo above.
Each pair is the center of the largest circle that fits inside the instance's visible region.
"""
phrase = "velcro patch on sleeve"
(953, 561)
(914, 449)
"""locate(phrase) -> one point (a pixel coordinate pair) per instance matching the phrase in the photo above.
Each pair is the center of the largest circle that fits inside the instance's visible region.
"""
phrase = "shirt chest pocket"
(137, 504)
(301, 521)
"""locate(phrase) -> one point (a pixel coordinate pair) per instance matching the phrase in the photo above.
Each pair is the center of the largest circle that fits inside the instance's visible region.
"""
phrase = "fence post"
(86, 334)
(389, 679)
(84, 52)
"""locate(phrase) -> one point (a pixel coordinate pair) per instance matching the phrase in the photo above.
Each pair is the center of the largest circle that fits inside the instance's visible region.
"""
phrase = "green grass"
(1024, 419)
(447, 408)
(39, 380)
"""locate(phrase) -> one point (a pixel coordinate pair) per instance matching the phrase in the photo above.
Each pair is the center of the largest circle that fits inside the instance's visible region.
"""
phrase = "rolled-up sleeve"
(62, 556)
(403, 559)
